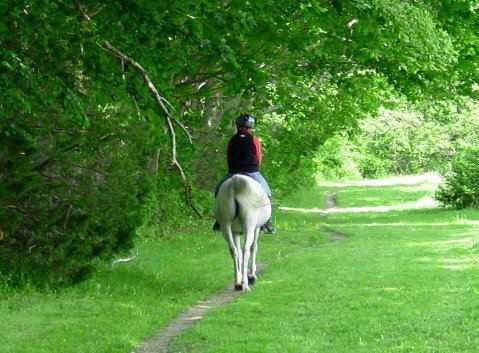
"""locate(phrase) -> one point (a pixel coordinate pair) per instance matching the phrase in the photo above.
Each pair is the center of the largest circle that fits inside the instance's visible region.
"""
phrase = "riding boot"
(268, 227)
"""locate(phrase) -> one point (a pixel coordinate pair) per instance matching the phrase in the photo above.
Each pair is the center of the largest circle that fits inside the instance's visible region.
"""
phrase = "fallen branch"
(127, 259)
(165, 113)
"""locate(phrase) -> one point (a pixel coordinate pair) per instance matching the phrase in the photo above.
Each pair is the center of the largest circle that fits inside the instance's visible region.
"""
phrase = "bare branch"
(96, 10)
(87, 15)
(167, 103)
(165, 113)
(137, 107)
(66, 218)
(198, 78)
(80, 9)
(190, 138)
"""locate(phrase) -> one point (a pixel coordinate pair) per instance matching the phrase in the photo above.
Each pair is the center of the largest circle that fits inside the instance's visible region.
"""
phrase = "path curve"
(424, 202)
(331, 203)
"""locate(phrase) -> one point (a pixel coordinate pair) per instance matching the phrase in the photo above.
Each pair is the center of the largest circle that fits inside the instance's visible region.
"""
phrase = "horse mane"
(248, 192)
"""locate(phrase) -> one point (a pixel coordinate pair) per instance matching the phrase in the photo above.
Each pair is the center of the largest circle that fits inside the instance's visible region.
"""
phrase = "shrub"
(70, 198)
(461, 187)
(373, 167)
(337, 159)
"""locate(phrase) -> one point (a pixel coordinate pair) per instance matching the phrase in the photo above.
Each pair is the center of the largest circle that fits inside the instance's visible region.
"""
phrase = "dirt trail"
(331, 203)
(432, 179)
(160, 342)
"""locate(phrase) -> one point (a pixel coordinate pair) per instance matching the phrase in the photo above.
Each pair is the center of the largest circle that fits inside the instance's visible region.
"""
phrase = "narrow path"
(433, 178)
(160, 342)
(331, 203)
(425, 202)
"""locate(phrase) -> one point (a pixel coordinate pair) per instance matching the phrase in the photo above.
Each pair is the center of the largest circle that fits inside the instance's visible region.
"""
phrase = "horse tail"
(248, 192)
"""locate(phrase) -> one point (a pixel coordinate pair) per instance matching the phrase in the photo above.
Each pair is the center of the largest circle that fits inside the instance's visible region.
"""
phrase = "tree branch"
(190, 138)
(165, 113)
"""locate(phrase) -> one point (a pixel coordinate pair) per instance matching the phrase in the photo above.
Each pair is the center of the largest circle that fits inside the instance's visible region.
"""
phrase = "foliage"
(69, 198)
(337, 159)
(461, 186)
(400, 142)
(409, 139)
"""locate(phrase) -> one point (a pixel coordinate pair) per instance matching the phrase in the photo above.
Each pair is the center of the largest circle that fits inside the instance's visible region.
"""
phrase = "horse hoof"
(251, 279)
(238, 287)
(246, 289)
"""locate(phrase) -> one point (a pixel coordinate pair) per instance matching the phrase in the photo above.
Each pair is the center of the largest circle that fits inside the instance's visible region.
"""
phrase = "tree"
(86, 155)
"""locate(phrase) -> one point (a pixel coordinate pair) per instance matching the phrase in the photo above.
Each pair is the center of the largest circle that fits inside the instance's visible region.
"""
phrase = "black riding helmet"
(245, 120)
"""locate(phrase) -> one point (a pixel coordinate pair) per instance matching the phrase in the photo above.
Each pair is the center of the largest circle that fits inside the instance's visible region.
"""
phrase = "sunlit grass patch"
(419, 216)
(383, 195)
(364, 197)
(121, 305)
(374, 292)
(313, 197)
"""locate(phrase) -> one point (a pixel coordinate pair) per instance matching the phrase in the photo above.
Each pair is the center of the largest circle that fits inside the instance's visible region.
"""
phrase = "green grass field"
(400, 281)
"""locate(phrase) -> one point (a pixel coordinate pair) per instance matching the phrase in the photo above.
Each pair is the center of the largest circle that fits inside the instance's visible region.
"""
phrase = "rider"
(244, 155)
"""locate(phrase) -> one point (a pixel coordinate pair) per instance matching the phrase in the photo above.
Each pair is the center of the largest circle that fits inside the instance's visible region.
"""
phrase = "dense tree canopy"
(86, 150)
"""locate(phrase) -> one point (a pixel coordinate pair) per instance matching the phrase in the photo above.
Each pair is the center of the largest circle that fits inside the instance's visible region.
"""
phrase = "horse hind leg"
(235, 254)
(239, 259)
(254, 250)
(249, 239)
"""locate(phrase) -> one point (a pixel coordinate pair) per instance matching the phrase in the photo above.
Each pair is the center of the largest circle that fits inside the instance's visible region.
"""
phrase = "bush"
(461, 187)
(337, 159)
(373, 167)
(70, 198)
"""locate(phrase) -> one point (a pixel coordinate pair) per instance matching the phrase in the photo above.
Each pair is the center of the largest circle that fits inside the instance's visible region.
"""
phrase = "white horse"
(242, 207)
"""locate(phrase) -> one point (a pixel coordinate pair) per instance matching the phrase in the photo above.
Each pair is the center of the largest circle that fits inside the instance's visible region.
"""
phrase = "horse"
(242, 207)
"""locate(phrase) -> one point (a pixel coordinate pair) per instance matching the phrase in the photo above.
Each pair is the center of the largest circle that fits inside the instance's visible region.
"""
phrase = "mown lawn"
(399, 282)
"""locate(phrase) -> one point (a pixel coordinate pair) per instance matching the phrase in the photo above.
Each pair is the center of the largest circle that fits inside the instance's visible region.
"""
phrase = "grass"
(309, 197)
(117, 307)
(120, 306)
(359, 196)
(400, 282)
